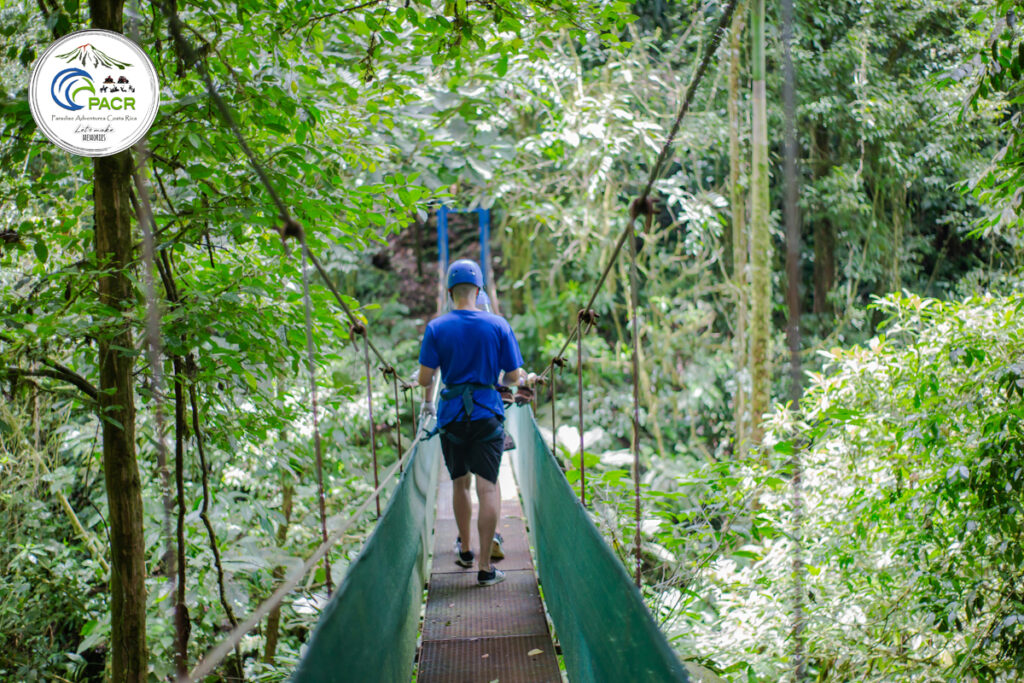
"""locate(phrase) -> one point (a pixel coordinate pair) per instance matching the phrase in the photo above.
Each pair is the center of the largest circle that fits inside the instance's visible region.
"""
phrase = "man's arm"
(426, 380)
(518, 377)
(511, 379)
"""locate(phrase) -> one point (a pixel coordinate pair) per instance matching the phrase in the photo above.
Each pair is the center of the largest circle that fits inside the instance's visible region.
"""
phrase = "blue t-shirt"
(470, 347)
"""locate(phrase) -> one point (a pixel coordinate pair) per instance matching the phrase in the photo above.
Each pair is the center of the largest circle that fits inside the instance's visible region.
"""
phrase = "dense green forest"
(869, 530)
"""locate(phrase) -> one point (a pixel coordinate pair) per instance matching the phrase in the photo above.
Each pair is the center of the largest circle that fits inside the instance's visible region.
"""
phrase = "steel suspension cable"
(290, 227)
(407, 390)
(556, 363)
(589, 319)
(642, 204)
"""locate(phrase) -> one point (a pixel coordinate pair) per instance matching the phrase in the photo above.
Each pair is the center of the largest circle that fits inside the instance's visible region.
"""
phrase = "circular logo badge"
(94, 93)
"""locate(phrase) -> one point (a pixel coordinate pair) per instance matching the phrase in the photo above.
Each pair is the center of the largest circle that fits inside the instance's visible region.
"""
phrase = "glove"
(427, 410)
(523, 395)
(506, 394)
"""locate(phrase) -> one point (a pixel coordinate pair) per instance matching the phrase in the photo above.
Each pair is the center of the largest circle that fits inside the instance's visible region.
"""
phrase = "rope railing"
(641, 206)
(215, 656)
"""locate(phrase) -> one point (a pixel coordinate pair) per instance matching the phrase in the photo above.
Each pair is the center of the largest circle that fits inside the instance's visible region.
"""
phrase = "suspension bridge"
(567, 592)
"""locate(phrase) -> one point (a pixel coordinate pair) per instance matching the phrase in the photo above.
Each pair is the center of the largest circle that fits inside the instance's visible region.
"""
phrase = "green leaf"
(785, 448)
(42, 253)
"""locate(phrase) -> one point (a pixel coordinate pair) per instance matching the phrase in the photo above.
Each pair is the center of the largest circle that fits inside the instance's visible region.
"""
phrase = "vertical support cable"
(579, 384)
(398, 415)
(407, 390)
(554, 402)
(359, 328)
(634, 304)
(311, 365)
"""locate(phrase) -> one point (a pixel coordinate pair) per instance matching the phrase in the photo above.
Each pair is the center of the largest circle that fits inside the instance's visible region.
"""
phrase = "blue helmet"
(465, 271)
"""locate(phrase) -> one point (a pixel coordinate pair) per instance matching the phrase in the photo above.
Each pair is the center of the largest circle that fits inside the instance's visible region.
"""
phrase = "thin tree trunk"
(182, 625)
(824, 232)
(111, 179)
(274, 618)
(760, 238)
(287, 493)
(740, 239)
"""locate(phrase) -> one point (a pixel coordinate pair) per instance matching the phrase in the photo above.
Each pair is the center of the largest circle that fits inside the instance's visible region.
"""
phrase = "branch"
(58, 372)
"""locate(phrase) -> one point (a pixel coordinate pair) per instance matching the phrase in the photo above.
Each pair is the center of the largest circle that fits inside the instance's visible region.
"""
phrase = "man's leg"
(487, 519)
(463, 505)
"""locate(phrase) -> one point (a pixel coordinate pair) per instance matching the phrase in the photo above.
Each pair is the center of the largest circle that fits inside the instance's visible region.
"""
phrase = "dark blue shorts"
(473, 447)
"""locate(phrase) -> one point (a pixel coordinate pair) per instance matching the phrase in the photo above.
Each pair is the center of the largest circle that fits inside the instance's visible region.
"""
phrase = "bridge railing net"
(367, 631)
(602, 623)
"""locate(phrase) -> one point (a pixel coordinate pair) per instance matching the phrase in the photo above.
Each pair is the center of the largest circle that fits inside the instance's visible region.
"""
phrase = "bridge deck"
(474, 634)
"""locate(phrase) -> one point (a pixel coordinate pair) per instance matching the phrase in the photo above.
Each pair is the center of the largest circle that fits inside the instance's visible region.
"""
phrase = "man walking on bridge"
(472, 348)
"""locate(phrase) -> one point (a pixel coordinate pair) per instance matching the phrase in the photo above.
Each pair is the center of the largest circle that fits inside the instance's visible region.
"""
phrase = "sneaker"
(497, 553)
(463, 558)
(489, 578)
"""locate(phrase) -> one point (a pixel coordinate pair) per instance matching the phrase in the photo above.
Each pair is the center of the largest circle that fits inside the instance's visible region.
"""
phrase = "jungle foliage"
(909, 434)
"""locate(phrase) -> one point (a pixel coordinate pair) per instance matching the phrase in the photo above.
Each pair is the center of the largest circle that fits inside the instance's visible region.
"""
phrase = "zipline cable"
(215, 656)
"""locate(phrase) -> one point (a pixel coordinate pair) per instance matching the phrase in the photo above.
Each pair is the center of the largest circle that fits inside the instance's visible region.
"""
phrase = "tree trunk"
(760, 238)
(111, 178)
(740, 239)
(274, 618)
(287, 494)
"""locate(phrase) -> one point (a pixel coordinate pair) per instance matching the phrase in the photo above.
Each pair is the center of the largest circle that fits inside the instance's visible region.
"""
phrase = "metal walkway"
(474, 634)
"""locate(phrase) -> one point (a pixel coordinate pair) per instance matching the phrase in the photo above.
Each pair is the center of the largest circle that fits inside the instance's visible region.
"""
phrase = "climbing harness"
(465, 393)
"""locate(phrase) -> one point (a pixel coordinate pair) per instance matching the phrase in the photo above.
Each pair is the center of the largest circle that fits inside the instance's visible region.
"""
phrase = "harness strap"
(465, 391)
